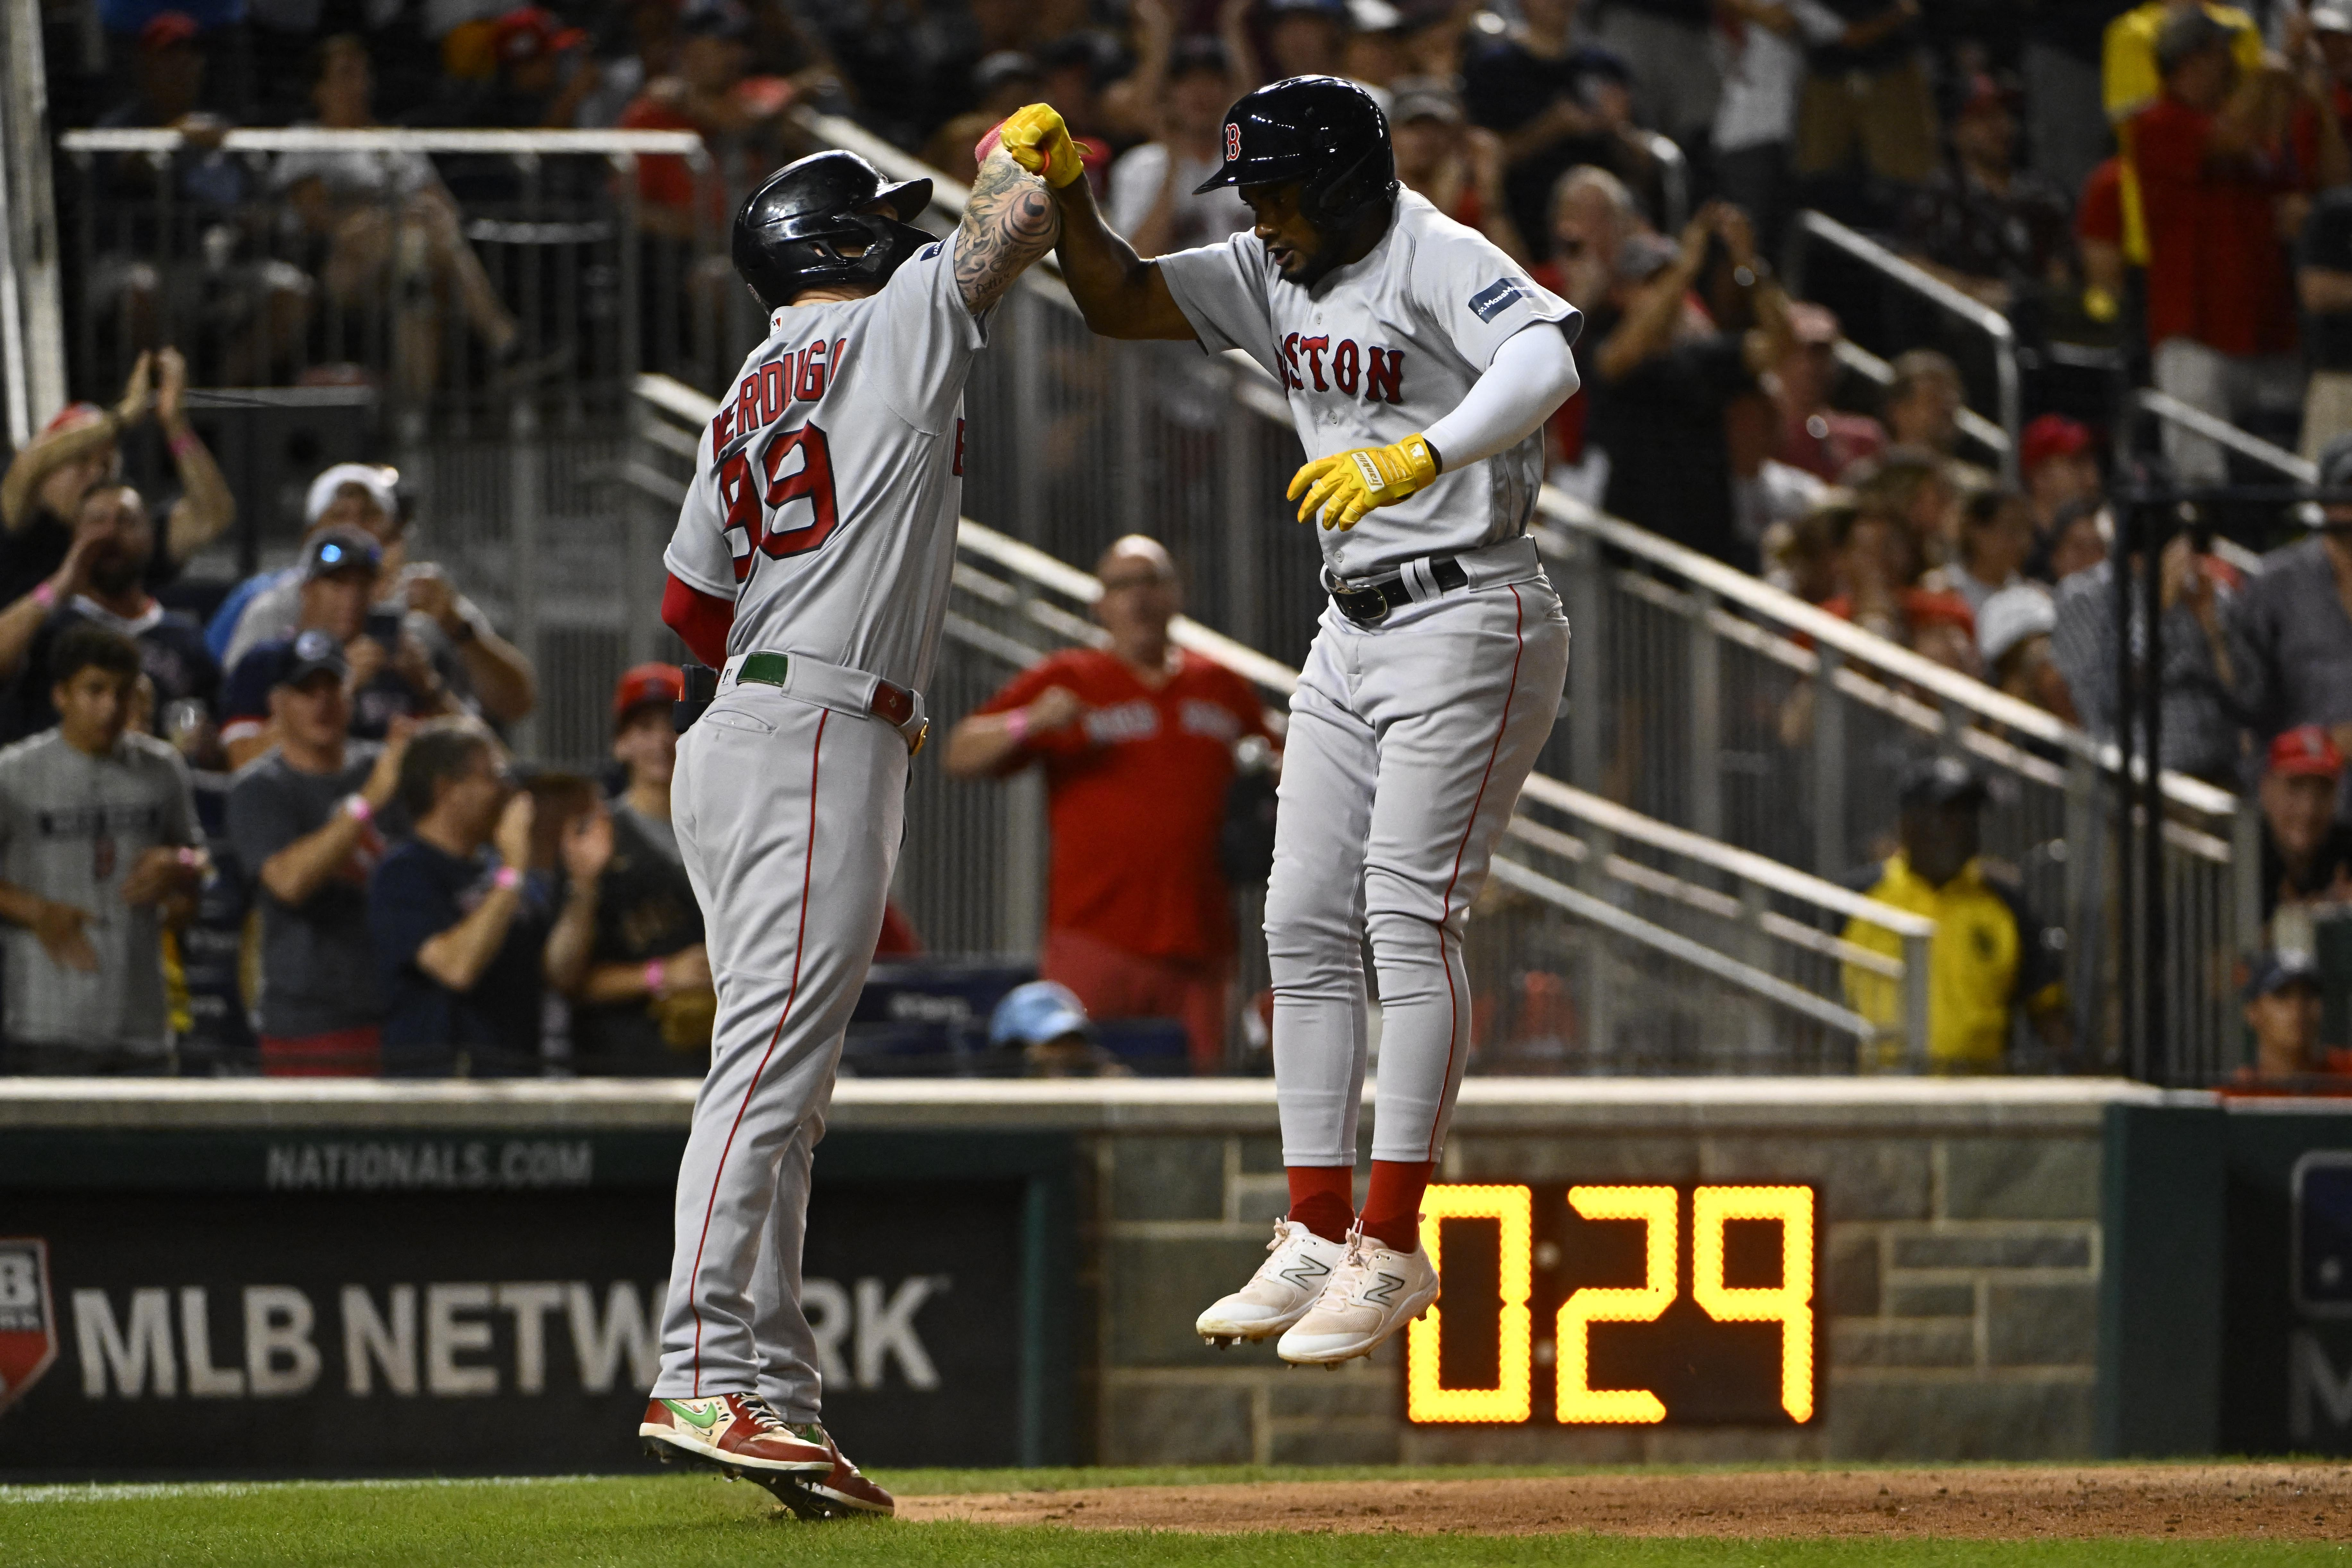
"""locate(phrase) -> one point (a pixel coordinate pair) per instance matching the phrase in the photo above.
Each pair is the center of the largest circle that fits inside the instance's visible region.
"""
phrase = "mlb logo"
(29, 1329)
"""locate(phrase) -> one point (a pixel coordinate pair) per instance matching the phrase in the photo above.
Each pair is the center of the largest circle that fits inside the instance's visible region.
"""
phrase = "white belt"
(843, 689)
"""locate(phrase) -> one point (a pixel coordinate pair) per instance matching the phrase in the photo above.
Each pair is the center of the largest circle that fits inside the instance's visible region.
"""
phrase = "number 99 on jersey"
(1618, 1305)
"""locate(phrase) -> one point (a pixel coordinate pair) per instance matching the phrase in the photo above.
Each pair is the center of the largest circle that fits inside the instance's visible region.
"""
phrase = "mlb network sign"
(386, 1308)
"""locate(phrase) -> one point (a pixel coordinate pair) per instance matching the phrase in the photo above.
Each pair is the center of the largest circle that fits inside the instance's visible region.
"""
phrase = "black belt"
(1369, 604)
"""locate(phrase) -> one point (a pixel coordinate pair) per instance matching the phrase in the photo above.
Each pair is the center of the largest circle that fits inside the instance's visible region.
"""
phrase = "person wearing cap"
(79, 449)
(1991, 965)
(388, 675)
(1556, 101)
(1815, 434)
(1991, 230)
(2291, 636)
(103, 580)
(1663, 377)
(533, 91)
(2221, 311)
(1458, 166)
(2284, 1008)
(1151, 198)
(2059, 464)
(2013, 629)
(706, 92)
(1047, 1026)
(348, 495)
(645, 1006)
(309, 820)
(2306, 850)
(100, 847)
(455, 635)
(2131, 78)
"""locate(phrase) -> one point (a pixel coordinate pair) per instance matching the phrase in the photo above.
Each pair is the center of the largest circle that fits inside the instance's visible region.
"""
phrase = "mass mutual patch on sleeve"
(1496, 298)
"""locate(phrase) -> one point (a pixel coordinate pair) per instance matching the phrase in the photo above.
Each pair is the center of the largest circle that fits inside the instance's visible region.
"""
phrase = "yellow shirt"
(2129, 83)
(1984, 960)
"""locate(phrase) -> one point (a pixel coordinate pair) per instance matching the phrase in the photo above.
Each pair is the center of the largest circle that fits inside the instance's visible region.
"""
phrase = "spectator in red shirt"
(1822, 440)
(711, 94)
(2221, 310)
(1137, 741)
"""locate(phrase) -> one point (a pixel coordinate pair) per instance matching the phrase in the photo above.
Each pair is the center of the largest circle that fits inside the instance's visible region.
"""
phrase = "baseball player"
(811, 565)
(1420, 364)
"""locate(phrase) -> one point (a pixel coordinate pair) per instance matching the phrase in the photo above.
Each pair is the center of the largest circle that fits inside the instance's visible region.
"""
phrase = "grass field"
(688, 1520)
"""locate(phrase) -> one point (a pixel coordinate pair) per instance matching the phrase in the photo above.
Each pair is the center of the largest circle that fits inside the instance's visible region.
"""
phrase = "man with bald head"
(1138, 742)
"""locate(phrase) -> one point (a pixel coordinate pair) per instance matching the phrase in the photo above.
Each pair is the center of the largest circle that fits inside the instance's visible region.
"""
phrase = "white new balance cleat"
(1285, 1286)
(1375, 1291)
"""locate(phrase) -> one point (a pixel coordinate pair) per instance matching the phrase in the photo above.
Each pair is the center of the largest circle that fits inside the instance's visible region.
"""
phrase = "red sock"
(1392, 1206)
(1322, 1198)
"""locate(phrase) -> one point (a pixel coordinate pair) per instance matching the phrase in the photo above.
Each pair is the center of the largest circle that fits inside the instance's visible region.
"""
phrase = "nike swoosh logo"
(704, 1419)
(1305, 1272)
(1386, 1292)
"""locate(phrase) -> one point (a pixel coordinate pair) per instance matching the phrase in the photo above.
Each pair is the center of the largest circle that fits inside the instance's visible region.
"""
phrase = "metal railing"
(463, 272)
(1607, 941)
(1702, 696)
(1979, 317)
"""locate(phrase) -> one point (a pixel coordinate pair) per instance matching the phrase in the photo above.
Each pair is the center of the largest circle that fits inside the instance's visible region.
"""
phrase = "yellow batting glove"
(1040, 143)
(1343, 488)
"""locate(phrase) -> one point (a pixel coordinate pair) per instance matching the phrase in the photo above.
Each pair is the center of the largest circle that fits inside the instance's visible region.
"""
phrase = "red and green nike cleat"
(843, 1492)
(740, 1433)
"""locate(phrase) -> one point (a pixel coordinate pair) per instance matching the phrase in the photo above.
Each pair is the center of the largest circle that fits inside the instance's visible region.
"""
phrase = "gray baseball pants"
(1408, 743)
(789, 818)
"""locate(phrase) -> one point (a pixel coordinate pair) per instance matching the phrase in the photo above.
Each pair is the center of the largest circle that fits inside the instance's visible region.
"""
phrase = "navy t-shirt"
(418, 892)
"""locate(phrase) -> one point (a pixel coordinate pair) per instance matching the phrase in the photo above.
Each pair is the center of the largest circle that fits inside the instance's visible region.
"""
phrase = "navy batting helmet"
(789, 232)
(1326, 133)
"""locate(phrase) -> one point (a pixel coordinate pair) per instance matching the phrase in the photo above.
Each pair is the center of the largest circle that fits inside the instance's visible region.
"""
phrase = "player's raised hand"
(1038, 140)
(1342, 488)
(58, 927)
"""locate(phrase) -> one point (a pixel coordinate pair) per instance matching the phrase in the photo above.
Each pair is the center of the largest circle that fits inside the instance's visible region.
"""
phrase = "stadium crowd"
(2159, 190)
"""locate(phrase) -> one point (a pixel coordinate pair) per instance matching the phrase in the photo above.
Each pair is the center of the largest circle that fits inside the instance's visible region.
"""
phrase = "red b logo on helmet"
(1232, 143)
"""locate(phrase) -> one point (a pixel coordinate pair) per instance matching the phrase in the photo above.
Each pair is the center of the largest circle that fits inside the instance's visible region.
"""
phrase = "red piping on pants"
(693, 1279)
(1445, 908)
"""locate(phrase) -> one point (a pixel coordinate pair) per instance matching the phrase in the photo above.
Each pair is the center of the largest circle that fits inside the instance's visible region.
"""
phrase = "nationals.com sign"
(394, 1306)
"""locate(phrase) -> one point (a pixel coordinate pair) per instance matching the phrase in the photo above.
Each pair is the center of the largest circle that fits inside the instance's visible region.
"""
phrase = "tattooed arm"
(1008, 223)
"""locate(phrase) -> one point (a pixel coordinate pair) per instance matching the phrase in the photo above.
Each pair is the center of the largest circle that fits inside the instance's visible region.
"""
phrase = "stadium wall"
(1957, 1265)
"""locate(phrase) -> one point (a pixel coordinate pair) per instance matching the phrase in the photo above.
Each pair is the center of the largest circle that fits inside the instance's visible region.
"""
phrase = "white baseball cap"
(380, 482)
(2009, 616)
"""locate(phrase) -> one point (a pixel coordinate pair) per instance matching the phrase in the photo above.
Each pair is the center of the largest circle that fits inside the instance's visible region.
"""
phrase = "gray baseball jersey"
(828, 487)
(1379, 350)
(71, 828)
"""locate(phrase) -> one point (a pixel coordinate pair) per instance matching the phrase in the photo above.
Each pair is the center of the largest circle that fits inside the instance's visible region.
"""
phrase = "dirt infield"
(2300, 1503)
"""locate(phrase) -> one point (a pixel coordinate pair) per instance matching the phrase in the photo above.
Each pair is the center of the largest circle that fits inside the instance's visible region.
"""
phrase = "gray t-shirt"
(1382, 349)
(71, 828)
(318, 966)
(826, 489)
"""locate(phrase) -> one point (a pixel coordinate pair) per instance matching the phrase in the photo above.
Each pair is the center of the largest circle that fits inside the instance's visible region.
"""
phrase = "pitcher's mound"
(2303, 1503)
